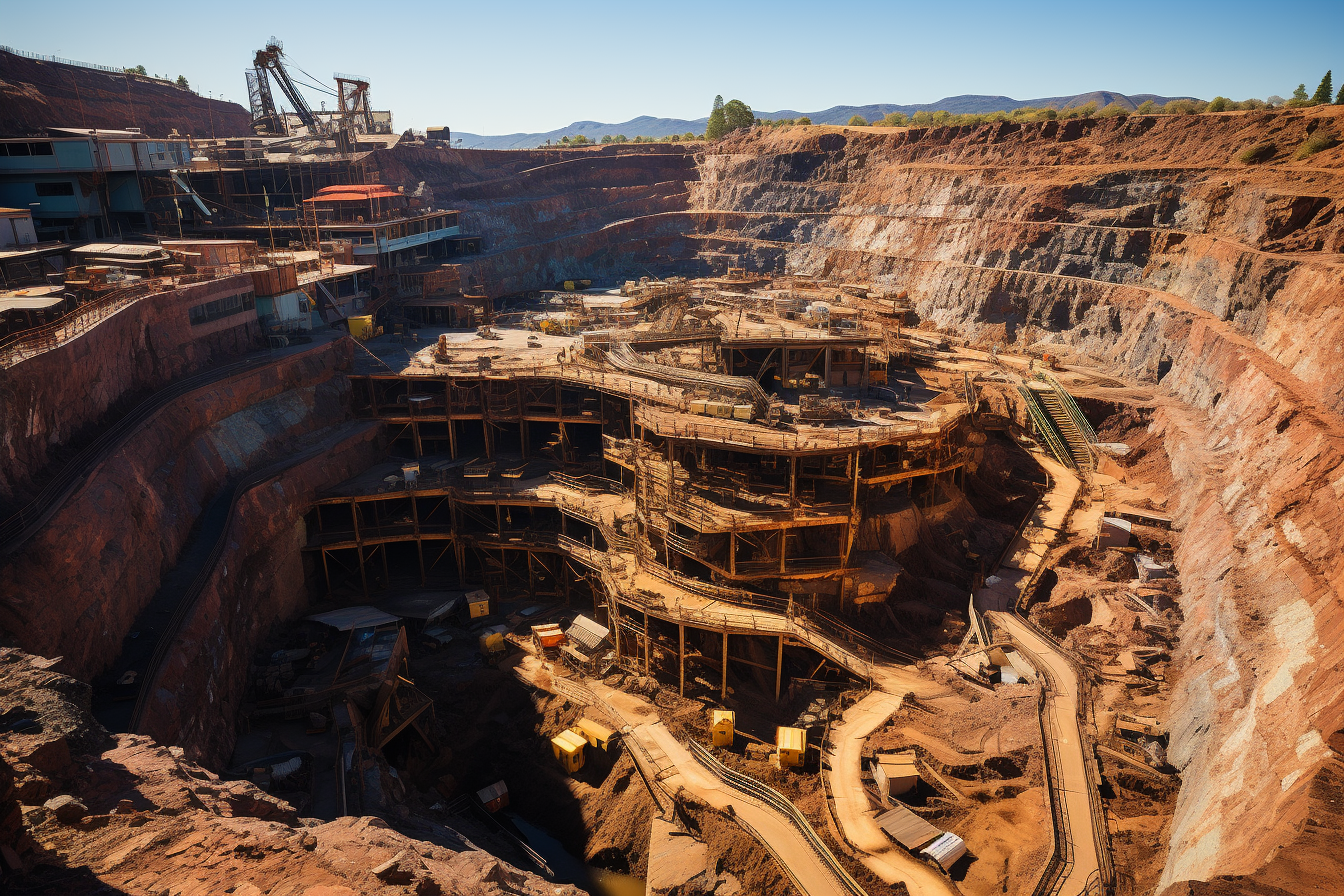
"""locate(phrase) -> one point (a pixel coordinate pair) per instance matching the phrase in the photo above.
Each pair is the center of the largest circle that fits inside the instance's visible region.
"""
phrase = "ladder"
(1045, 428)
(1066, 420)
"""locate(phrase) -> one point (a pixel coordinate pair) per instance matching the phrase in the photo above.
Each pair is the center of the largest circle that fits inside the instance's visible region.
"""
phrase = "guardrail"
(773, 799)
(29, 343)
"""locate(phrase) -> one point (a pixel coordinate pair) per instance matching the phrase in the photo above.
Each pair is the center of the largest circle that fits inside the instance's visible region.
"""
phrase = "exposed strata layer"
(79, 583)
(1139, 242)
(142, 347)
(35, 95)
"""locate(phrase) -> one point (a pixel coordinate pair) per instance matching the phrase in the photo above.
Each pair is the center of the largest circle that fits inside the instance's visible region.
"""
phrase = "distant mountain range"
(648, 126)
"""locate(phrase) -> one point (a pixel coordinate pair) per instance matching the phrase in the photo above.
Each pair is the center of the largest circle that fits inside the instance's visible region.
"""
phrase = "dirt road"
(888, 861)
(680, 770)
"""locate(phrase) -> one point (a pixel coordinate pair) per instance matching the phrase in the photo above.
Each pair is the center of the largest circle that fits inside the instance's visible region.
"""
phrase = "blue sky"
(495, 67)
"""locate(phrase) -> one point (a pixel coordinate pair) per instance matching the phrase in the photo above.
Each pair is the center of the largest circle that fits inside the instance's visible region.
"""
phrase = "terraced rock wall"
(76, 586)
(106, 371)
(1141, 244)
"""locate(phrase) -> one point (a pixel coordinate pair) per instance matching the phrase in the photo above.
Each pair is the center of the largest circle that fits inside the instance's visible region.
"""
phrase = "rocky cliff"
(1144, 246)
(82, 812)
(36, 94)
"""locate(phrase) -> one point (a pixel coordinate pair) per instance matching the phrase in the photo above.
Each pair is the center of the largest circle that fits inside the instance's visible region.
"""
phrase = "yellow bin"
(568, 749)
(792, 746)
(721, 727)
(361, 327)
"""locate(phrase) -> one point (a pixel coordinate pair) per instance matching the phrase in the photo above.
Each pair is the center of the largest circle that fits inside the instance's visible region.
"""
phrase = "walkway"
(852, 807)
(679, 770)
(1065, 745)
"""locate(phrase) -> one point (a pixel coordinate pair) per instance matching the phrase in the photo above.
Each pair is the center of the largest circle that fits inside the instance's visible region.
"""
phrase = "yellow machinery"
(597, 735)
(568, 749)
(791, 744)
(722, 728)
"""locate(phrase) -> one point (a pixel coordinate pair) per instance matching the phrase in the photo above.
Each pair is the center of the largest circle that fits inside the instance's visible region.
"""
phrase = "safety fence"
(777, 802)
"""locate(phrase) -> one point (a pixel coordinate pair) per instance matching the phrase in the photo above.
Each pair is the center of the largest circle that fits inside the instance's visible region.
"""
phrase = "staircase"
(1068, 425)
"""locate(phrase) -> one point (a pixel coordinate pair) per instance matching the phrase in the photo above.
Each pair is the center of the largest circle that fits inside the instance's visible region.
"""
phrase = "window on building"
(18, 149)
(41, 149)
(220, 308)
(60, 188)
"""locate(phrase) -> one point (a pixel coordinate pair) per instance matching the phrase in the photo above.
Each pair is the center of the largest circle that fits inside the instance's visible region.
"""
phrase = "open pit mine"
(819, 510)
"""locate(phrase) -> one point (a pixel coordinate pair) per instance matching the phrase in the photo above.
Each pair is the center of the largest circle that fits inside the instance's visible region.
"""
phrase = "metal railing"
(774, 800)
(26, 344)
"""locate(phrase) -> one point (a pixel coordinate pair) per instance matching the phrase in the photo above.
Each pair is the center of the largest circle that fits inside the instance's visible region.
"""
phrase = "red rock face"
(78, 584)
(36, 95)
(257, 585)
(550, 215)
(1144, 245)
(136, 816)
(63, 397)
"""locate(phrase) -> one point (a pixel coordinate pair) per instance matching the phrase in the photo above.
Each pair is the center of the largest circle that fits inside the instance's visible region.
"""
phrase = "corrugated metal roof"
(946, 850)
(493, 792)
(907, 828)
(587, 634)
(354, 617)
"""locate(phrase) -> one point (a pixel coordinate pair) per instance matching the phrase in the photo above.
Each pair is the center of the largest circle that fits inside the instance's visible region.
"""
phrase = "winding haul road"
(882, 857)
(1061, 718)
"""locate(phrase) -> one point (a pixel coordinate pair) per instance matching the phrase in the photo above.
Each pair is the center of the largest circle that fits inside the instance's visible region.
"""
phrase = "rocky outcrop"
(82, 813)
(37, 94)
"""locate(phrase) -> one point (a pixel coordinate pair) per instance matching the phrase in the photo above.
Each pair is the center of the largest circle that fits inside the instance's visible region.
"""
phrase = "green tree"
(803, 120)
(893, 120)
(718, 121)
(857, 121)
(737, 114)
(689, 135)
(137, 70)
(182, 82)
(1299, 97)
(1323, 91)
(1145, 108)
(1218, 104)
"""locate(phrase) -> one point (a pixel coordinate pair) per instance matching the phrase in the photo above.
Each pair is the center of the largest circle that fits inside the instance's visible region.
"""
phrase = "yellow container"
(568, 749)
(361, 327)
(722, 728)
(792, 746)
(478, 604)
(597, 735)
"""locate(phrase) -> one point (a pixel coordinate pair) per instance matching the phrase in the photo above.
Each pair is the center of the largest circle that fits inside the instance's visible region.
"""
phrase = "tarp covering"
(354, 617)
(907, 828)
(421, 606)
(946, 850)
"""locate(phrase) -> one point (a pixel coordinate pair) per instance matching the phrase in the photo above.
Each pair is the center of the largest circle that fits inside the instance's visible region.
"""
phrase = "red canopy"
(354, 193)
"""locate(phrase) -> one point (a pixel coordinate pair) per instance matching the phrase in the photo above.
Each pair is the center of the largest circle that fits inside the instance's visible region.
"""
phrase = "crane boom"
(268, 63)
